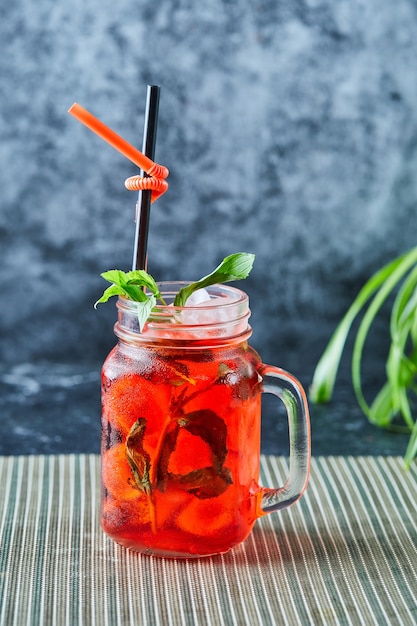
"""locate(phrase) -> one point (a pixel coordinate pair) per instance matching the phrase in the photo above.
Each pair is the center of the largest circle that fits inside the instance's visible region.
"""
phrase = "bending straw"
(140, 250)
(151, 183)
(117, 142)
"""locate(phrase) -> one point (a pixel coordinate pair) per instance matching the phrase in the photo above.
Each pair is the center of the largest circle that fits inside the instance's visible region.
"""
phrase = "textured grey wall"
(289, 128)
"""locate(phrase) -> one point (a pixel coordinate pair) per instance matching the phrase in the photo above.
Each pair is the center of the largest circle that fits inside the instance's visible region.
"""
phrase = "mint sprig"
(234, 267)
(136, 284)
(132, 285)
(129, 285)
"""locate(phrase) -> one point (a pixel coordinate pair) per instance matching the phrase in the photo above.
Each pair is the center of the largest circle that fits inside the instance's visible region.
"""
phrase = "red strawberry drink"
(181, 427)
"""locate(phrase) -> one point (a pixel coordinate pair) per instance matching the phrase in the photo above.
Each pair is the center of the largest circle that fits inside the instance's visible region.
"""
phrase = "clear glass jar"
(181, 428)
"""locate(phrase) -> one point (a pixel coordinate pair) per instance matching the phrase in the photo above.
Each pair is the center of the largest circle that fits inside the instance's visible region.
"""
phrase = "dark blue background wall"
(289, 128)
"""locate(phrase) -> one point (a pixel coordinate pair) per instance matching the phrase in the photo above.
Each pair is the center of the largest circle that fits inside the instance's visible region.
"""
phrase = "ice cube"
(208, 314)
(197, 297)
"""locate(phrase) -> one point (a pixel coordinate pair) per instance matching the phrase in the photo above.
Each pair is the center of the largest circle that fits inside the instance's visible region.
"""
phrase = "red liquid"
(180, 448)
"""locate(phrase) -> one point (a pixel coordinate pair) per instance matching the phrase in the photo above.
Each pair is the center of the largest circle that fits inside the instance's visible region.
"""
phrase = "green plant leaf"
(405, 304)
(114, 290)
(411, 451)
(401, 369)
(138, 458)
(413, 334)
(326, 370)
(234, 267)
(169, 443)
(383, 410)
(144, 309)
(393, 399)
(120, 287)
(132, 285)
(393, 277)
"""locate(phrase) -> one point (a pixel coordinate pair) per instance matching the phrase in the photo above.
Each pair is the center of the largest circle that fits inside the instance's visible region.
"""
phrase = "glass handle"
(286, 387)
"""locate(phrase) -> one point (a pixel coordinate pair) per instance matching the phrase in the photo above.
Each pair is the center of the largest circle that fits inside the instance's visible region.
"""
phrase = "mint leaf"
(114, 290)
(234, 267)
(138, 459)
(133, 285)
(144, 310)
(121, 287)
(142, 279)
(204, 483)
(211, 428)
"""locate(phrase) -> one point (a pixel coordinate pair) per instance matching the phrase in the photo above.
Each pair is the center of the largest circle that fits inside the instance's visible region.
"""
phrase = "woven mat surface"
(345, 554)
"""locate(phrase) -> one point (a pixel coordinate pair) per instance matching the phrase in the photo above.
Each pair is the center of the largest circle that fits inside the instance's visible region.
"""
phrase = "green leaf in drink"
(132, 285)
(139, 286)
(138, 459)
(234, 267)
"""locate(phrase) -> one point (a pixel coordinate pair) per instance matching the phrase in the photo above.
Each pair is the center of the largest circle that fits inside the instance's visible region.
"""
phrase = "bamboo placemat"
(345, 554)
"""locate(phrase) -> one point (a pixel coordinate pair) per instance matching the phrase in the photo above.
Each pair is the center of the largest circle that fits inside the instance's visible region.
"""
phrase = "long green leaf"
(400, 369)
(326, 370)
(383, 410)
(393, 277)
(393, 399)
(404, 304)
(411, 451)
(396, 364)
(413, 332)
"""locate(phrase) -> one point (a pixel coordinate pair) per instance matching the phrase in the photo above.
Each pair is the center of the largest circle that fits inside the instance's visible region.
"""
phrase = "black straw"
(140, 252)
